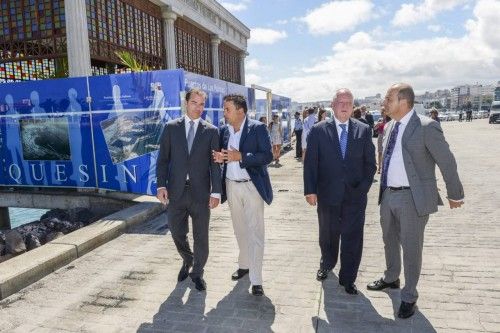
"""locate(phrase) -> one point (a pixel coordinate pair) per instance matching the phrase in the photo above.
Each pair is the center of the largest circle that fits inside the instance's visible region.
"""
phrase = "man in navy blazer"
(246, 151)
(338, 172)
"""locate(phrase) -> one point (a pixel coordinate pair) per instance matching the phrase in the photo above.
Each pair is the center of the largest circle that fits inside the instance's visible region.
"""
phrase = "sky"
(307, 49)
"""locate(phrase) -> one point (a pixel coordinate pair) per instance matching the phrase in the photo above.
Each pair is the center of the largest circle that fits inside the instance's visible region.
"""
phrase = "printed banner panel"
(46, 134)
(129, 113)
(216, 90)
(282, 106)
(103, 131)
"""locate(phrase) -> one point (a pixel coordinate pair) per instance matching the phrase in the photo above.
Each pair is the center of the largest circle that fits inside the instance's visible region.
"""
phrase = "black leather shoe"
(200, 284)
(321, 274)
(257, 290)
(406, 310)
(381, 284)
(239, 274)
(350, 288)
(183, 273)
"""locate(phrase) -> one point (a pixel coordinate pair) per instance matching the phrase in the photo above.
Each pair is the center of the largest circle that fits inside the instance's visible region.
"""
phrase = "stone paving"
(129, 284)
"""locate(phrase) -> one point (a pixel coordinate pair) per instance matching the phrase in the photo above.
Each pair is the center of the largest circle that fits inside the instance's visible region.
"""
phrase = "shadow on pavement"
(175, 315)
(355, 313)
(238, 311)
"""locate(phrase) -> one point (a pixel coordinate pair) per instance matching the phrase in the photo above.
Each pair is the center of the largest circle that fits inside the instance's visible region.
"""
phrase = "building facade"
(475, 96)
(44, 38)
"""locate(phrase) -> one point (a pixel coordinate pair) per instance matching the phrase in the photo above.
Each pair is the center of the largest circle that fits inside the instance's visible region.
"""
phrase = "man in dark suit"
(338, 172)
(413, 145)
(190, 182)
(246, 151)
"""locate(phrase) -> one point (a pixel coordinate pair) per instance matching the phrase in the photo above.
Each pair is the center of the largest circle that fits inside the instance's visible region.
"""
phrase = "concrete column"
(4, 219)
(169, 18)
(243, 55)
(215, 56)
(77, 36)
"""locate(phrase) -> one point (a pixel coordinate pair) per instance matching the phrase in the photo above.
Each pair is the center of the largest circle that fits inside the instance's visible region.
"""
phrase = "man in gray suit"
(413, 146)
(190, 182)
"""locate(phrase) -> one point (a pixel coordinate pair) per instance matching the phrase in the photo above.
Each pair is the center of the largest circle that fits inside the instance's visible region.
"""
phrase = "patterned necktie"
(343, 139)
(388, 153)
(190, 137)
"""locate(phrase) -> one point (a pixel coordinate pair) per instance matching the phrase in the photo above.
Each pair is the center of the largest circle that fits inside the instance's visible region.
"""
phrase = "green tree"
(130, 61)
(436, 104)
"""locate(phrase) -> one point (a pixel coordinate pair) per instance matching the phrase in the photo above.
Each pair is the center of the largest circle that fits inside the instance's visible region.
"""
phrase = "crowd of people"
(200, 166)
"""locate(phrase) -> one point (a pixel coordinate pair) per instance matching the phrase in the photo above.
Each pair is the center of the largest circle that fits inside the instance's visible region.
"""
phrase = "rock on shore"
(53, 224)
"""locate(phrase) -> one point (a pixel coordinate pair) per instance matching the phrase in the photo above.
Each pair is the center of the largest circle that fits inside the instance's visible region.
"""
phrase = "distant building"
(476, 96)
(497, 92)
(200, 36)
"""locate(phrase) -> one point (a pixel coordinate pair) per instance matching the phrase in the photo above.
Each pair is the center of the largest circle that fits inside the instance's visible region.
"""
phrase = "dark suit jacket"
(424, 146)
(329, 176)
(175, 163)
(256, 152)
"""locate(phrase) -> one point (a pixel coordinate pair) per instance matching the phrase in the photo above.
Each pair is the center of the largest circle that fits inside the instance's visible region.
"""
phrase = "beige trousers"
(247, 212)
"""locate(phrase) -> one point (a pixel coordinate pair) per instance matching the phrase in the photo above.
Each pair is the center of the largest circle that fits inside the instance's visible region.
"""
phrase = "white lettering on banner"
(84, 175)
(132, 176)
(33, 173)
(12, 175)
(60, 172)
(104, 178)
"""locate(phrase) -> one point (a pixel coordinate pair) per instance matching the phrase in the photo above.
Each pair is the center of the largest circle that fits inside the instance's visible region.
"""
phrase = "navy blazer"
(256, 153)
(329, 176)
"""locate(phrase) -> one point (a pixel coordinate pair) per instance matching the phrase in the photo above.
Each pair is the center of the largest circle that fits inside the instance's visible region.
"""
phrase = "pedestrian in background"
(276, 137)
(309, 122)
(297, 131)
(356, 114)
(379, 127)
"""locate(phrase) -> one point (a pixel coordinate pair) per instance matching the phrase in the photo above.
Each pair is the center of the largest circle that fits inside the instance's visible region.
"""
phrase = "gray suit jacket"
(175, 163)
(424, 147)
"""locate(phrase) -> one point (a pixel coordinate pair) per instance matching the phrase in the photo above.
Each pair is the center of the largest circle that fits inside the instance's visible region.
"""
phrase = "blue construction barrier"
(97, 132)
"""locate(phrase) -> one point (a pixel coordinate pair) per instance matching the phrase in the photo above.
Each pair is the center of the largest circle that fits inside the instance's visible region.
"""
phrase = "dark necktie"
(343, 139)
(388, 153)
(190, 137)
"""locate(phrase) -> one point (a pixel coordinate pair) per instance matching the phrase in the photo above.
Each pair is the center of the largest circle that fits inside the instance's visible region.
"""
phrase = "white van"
(495, 112)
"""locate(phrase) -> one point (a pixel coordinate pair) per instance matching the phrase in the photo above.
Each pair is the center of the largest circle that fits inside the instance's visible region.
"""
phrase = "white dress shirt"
(339, 129)
(396, 174)
(234, 171)
(186, 124)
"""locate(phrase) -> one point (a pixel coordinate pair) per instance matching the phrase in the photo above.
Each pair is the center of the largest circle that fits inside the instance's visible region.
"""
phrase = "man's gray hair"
(343, 91)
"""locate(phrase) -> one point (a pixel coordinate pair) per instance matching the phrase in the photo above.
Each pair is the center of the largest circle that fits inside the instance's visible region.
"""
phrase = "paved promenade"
(129, 284)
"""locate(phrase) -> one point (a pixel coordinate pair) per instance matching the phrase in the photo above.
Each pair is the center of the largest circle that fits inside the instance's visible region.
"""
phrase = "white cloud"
(368, 64)
(434, 27)
(235, 7)
(252, 79)
(410, 14)
(282, 22)
(336, 16)
(253, 65)
(266, 36)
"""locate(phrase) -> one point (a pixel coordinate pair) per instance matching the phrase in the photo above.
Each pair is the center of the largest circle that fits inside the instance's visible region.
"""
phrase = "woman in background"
(276, 137)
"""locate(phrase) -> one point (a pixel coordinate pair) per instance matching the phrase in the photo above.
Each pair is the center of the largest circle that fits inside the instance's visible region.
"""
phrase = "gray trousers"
(177, 214)
(402, 228)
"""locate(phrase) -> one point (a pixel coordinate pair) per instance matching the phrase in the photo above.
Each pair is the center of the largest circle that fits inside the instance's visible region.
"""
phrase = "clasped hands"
(226, 155)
